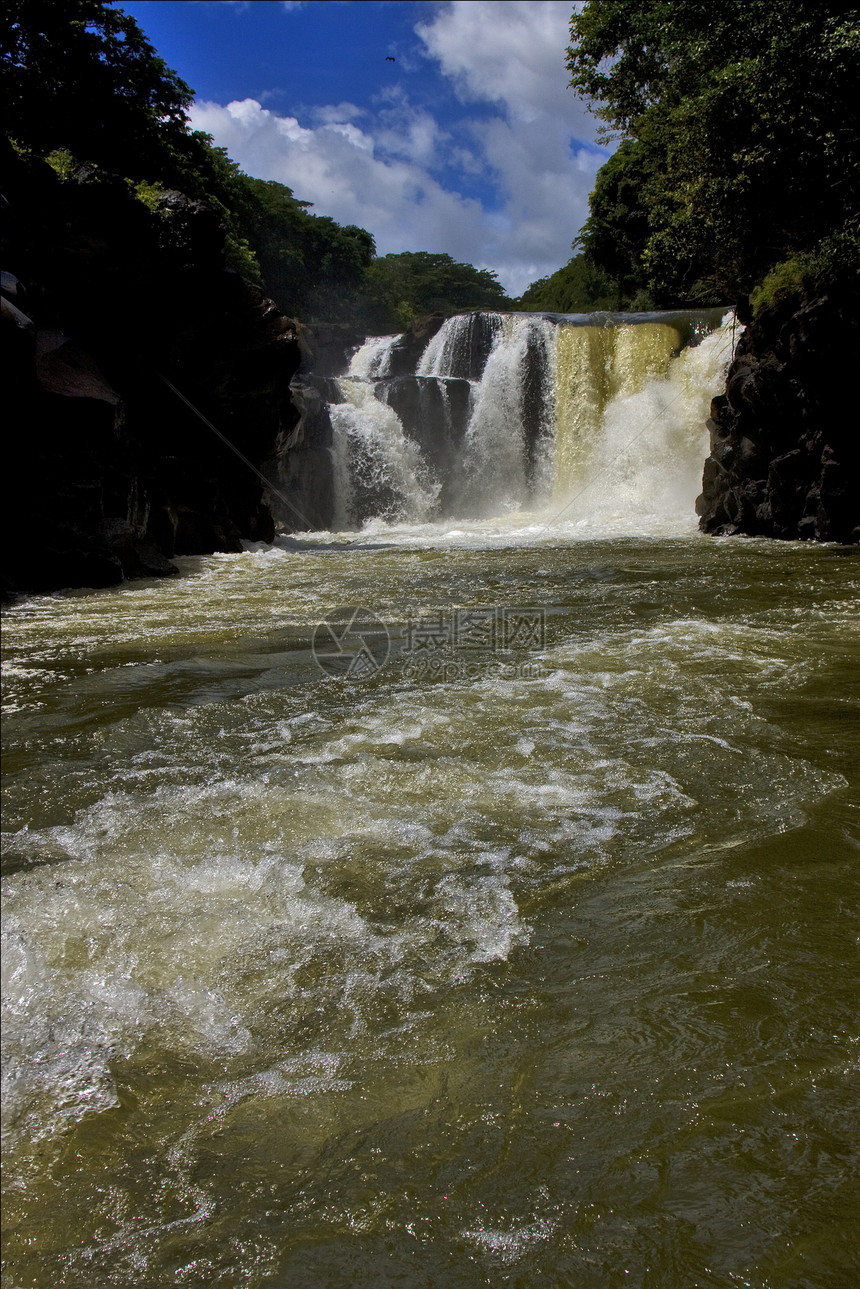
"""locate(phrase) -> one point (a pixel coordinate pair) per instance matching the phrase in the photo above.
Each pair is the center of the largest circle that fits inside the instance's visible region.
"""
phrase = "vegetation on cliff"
(83, 77)
(80, 84)
(742, 123)
(739, 169)
(578, 287)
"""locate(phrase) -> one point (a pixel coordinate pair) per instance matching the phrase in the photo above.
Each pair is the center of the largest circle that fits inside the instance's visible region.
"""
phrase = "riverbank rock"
(328, 346)
(114, 312)
(785, 442)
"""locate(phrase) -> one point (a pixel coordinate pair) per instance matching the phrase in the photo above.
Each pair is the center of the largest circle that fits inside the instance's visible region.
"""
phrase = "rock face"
(435, 415)
(404, 355)
(301, 470)
(785, 436)
(109, 473)
(327, 346)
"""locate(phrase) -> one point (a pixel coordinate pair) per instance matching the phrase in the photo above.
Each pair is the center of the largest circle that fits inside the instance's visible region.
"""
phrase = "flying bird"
(389, 59)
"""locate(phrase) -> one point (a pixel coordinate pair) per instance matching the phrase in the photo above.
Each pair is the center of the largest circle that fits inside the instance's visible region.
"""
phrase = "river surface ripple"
(527, 954)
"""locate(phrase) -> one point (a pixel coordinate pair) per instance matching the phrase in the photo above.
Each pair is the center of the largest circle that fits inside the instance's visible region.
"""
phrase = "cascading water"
(378, 469)
(515, 412)
(373, 359)
(460, 348)
(632, 402)
(511, 425)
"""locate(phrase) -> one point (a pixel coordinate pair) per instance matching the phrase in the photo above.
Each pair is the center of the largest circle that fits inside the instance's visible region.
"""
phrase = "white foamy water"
(495, 450)
(355, 859)
(645, 460)
(373, 456)
(599, 420)
(373, 358)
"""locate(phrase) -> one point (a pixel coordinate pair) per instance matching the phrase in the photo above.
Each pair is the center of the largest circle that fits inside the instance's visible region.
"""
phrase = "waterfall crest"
(511, 425)
(461, 347)
(522, 412)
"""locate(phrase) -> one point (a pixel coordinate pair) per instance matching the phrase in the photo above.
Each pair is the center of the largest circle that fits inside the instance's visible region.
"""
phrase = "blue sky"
(468, 142)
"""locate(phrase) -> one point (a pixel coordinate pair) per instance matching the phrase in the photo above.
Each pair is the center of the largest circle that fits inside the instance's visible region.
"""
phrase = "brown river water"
(524, 953)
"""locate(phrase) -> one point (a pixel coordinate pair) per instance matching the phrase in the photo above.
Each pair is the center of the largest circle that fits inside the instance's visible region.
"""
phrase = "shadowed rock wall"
(108, 474)
(785, 436)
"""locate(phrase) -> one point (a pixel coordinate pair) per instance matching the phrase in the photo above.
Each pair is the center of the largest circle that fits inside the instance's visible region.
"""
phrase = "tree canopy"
(403, 286)
(80, 83)
(310, 265)
(82, 76)
(741, 138)
(578, 287)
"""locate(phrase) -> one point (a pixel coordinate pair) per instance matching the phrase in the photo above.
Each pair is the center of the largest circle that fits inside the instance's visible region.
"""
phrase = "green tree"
(402, 286)
(578, 287)
(618, 227)
(742, 128)
(81, 75)
(310, 265)
(80, 82)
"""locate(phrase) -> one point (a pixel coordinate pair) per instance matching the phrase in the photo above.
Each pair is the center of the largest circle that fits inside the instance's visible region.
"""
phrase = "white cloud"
(546, 190)
(511, 52)
(408, 132)
(336, 166)
(390, 169)
(336, 112)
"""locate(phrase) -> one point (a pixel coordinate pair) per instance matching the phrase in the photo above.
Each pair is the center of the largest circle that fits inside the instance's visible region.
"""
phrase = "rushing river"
(524, 954)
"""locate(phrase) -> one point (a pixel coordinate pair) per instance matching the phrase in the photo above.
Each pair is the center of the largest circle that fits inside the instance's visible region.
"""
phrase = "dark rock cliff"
(109, 474)
(785, 436)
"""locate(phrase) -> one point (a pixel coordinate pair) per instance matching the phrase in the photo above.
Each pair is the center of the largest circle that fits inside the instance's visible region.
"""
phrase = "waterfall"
(598, 366)
(373, 360)
(511, 424)
(379, 471)
(654, 437)
(598, 415)
(460, 349)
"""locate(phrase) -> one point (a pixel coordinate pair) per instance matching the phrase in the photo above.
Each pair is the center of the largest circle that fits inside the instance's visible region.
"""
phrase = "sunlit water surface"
(497, 966)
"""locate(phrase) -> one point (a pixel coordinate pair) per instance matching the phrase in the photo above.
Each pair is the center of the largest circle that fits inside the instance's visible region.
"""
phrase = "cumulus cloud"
(510, 53)
(523, 151)
(546, 189)
(541, 146)
(345, 173)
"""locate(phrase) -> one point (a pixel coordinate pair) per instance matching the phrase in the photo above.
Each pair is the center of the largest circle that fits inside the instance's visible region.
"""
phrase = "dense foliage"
(578, 287)
(80, 83)
(741, 151)
(311, 266)
(82, 76)
(405, 286)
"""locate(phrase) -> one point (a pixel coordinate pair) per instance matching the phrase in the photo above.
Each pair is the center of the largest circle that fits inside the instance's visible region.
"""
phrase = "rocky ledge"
(109, 473)
(785, 436)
